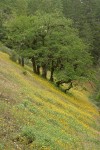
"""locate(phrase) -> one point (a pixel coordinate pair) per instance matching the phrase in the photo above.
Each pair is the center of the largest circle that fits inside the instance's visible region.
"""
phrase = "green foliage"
(25, 72)
(14, 56)
(53, 42)
(98, 97)
(46, 33)
(75, 62)
(28, 132)
(1, 146)
(44, 6)
(85, 16)
(97, 90)
(5, 49)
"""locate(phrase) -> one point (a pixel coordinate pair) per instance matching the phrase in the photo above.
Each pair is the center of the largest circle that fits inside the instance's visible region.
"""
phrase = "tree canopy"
(59, 36)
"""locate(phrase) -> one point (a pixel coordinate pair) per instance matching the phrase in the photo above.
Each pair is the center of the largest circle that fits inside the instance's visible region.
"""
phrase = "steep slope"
(34, 115)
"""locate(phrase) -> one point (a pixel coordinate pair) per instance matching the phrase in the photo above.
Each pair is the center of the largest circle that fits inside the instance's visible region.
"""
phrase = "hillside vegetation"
(34, 115)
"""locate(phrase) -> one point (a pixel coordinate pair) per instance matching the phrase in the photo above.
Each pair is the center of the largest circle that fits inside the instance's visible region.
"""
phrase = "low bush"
(1, 146)
(28, 132)
(24, 72)
(14, 56)
(5, 49)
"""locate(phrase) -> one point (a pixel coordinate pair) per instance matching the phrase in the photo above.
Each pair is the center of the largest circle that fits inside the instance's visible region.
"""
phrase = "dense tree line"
(85, 14)
(61, 36)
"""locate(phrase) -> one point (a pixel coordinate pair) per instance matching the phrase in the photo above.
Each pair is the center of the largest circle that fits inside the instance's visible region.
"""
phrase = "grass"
(35, 115)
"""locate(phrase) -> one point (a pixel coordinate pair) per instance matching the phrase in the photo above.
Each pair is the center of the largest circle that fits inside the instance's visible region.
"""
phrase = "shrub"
(13, 56)
(1, 146)
(5, 49)
(24, 72)
(98, 99)
(28, 132)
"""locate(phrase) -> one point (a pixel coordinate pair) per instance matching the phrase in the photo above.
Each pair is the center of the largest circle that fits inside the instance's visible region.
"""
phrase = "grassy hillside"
(34, 115)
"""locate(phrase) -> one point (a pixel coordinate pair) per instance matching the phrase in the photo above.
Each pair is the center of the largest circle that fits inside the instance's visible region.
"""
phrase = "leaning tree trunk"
(44, 71)
(22, 62)
(70, 86)
(33, 64)
(52, 72)
(58, 83)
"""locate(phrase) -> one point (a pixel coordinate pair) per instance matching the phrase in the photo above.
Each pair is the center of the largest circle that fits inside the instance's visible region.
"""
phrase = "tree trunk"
(38, 70)
(44, 71)
(22, 61)
(33, 64)
(19, 60)
(52, 72)
(62, 81)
